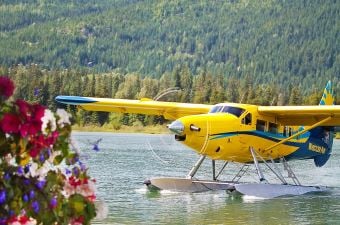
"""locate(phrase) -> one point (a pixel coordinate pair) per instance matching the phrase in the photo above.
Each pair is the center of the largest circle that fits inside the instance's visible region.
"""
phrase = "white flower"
(33, 169)
(9, 159)
(48, 119)
(53, 155)
(41, 172)
(64, 117)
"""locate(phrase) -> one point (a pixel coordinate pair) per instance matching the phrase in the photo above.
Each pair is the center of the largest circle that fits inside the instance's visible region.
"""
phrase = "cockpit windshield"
(216, 108)
(227, 109)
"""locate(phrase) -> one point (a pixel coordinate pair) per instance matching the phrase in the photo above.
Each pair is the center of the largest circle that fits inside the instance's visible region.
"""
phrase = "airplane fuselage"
(229, 130)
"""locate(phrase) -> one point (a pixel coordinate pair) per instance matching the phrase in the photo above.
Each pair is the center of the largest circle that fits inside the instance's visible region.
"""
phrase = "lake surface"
(124, 161)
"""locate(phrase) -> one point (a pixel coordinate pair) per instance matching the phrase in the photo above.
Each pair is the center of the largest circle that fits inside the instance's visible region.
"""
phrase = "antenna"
(165, 92)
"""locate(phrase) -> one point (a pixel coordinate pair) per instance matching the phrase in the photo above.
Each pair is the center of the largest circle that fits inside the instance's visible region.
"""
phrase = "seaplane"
(251, 135)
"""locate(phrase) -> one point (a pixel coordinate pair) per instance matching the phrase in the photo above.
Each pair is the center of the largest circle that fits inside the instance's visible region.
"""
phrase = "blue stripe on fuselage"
(261, 134)
(303, 151)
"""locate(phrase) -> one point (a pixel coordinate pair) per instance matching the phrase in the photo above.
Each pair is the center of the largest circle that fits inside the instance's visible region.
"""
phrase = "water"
(124, 161)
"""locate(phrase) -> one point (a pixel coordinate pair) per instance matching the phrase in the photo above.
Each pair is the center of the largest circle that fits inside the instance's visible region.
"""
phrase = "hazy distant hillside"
(274, 40)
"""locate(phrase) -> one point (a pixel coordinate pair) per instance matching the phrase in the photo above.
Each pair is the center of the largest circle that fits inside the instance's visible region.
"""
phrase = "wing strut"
(256, 163)
(299, 133)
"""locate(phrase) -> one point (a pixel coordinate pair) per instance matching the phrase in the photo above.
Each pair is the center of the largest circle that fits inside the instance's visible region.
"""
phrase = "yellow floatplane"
(243, 133)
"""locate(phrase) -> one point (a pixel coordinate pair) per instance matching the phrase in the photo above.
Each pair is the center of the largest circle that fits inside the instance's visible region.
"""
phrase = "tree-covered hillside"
(274, 41)
(41, 86)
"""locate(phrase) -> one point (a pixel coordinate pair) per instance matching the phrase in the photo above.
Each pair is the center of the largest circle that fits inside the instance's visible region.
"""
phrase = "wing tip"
(74, 100)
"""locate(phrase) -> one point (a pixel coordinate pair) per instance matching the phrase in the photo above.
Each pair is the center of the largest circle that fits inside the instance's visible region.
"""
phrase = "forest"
(38, 85)
(271, 52)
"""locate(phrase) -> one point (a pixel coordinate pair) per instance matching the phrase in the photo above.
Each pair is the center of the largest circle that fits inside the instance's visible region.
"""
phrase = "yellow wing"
(303, 115)
(170, 110)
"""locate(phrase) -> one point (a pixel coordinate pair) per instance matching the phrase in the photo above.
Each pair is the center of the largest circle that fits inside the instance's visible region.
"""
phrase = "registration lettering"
(316, 148)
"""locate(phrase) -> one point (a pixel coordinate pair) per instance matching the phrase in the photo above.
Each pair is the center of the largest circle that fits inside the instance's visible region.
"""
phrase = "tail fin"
(326, 133)
(328, 97)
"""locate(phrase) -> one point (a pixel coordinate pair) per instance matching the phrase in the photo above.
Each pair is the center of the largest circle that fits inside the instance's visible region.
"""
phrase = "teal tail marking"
(328, 97)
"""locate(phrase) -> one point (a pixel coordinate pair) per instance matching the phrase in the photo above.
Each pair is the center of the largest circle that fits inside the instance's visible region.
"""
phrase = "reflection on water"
(124, 161)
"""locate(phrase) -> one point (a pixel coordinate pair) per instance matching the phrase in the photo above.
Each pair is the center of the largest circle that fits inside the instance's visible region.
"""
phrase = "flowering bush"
(41, 180)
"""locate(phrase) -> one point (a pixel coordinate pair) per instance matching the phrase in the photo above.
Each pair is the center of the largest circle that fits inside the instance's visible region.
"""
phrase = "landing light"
(194, 128)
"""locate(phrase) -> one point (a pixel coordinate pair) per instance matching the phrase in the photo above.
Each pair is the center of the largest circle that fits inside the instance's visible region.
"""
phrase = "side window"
(273, 128)
(290, 132)
(260, 125)
(247, 119)
(285, 131)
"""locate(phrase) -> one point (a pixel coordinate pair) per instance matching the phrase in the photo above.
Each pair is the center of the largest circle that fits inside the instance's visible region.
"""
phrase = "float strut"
(219, 173)
(196, 167)
(213, 168)
(259, 172)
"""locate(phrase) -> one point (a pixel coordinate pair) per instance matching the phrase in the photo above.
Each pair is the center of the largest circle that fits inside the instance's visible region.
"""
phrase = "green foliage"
(261, 52)
(272, 40)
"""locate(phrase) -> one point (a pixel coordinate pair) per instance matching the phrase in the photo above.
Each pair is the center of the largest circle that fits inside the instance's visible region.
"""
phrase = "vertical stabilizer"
(325, 133)
(328, 97)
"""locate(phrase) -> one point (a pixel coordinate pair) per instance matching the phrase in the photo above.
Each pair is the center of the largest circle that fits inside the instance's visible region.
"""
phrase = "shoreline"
(158, 129)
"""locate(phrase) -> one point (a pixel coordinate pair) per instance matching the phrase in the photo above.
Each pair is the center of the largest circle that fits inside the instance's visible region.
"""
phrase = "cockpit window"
(216, 109)
(227, 109)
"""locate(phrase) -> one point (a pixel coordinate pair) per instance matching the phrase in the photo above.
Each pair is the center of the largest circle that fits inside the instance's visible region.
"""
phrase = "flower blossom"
(2, 196)
(36, 148)
(77, 221)
(48, 119)
(64, 117)
(10, 123)
(6, 87)
(84, 187)
(21, 220)
(53, 202)
(30, 117)
(53, 155)
(41, 172)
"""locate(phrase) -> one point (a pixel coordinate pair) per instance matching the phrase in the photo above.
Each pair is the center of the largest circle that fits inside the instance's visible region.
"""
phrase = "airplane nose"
(176, 127)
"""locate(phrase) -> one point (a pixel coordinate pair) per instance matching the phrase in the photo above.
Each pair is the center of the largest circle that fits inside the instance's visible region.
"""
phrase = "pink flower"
(10, 123)
(32, 128)
(24, 108)
(34, 151)
(50, 140)
(78, 221)
(35, 127)
(31, 115)
(6, 87)
(39, 112)
(21, 220)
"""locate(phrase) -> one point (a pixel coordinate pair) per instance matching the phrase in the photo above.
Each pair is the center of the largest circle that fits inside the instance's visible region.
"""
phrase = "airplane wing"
(170, 110)
(303, 115)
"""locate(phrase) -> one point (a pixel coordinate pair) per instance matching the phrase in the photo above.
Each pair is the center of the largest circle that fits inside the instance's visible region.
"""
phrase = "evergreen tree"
(186, 84)
(295, 96)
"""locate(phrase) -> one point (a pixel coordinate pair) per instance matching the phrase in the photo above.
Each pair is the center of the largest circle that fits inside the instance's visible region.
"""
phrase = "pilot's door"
(246, 123)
